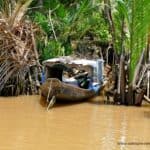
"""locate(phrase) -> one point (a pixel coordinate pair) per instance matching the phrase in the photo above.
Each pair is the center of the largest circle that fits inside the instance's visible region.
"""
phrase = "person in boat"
(86, 82)
(83, 80)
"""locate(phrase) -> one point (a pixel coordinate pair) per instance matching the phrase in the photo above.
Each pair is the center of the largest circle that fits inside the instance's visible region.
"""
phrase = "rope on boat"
(53, 99)
(51, 102)
(49, 91)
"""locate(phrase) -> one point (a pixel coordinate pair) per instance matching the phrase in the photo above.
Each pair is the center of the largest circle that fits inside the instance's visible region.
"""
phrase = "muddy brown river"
(26, 125)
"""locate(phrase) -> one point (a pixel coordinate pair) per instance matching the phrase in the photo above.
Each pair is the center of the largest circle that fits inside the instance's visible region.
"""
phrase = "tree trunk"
(122, 79)
(139, 94)
(137, 70)
(130, 96)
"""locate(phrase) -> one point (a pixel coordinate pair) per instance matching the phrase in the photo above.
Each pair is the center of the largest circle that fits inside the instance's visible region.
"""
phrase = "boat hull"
(64, 92)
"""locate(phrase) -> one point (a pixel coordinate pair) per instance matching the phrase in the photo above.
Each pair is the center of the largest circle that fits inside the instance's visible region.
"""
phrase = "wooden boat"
(63, 91)
(56, 88)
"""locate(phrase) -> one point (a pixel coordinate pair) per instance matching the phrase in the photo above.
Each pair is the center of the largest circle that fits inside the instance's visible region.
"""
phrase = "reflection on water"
(26, 125)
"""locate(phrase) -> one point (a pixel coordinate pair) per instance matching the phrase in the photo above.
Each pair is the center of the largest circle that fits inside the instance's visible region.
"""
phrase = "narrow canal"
(26, 125)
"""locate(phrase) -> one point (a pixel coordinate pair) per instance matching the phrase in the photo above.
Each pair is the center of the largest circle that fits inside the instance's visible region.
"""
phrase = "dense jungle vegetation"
(60, 24)
(68, 21)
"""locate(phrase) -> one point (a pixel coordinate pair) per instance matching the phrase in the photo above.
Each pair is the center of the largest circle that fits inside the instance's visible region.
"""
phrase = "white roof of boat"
(71, 60)
(59, 59)
(84, 62)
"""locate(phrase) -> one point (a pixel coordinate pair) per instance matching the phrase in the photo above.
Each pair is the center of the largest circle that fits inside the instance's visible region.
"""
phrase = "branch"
(50, 20)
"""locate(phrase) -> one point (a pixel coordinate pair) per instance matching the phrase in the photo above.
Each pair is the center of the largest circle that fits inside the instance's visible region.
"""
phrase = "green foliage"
(71, 20)
(41, 20)
(52, 49)
(139, 25)
(99, 27)
(119, 17)
(135, 14)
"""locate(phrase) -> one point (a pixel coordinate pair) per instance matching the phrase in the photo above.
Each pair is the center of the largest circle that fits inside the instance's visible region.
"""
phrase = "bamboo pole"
(51, 102)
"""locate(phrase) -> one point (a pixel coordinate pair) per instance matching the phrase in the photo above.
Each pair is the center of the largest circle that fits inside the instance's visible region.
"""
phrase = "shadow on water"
(145, 105)
(98, 100)
(60, 103)
(147, 114)
(95, 102)
(43, 102)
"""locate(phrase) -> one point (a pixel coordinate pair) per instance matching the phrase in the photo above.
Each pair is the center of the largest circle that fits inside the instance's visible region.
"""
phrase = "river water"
(26, 125)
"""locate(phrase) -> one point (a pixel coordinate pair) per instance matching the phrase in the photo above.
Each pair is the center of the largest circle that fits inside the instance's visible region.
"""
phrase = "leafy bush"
(64, 21)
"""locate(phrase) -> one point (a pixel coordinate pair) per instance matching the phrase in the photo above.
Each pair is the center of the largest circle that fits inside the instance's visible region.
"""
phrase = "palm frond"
(139, 24)
(17, 52)
(19, 11)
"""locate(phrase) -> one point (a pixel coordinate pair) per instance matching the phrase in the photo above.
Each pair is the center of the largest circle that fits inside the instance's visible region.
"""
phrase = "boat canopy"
(72, 60)
(97, 65)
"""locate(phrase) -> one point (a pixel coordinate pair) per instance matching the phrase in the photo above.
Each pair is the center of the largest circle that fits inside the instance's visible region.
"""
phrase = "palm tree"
(136, 21)
(17, 50)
